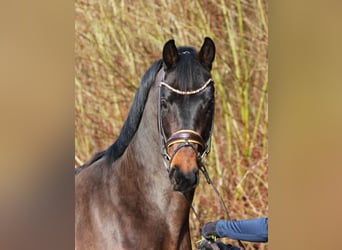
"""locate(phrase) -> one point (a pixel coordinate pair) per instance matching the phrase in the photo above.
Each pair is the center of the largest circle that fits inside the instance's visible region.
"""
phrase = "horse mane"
(132, 122)
(134, 116)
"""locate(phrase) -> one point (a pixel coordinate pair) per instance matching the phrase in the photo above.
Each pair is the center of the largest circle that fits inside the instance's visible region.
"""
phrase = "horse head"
(186, 111)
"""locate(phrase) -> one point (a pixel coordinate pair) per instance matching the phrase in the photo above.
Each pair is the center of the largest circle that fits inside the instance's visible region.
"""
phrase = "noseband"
(185, 137)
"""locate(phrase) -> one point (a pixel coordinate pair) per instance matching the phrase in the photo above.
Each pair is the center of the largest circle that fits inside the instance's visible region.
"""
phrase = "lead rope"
(209, 181)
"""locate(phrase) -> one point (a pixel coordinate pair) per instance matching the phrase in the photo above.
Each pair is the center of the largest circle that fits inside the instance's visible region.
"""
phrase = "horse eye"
(205, 107)
(163, 104)
(209, 106)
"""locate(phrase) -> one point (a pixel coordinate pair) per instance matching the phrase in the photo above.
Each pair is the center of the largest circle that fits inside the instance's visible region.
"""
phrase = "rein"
(210, 182)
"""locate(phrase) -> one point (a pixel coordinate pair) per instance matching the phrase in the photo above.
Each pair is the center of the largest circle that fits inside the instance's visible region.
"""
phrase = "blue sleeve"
(254, 230)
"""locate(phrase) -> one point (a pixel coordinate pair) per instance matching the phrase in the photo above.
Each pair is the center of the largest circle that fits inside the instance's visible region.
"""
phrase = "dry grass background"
(116, 42)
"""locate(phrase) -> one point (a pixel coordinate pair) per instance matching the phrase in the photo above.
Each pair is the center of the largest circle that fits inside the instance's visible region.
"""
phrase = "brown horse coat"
(124, 198)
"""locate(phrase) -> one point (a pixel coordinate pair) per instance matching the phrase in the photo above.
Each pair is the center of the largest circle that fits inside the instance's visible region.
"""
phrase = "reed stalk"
(117, 41)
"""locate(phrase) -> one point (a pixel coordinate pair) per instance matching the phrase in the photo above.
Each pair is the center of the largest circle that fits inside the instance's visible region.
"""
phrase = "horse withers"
(137, 193)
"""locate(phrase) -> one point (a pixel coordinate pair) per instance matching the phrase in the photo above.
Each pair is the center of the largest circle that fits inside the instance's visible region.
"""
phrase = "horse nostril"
(195, 171)
(175, 174)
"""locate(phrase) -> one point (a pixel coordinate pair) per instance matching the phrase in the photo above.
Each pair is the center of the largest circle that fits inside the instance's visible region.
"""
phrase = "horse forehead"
(187, 79)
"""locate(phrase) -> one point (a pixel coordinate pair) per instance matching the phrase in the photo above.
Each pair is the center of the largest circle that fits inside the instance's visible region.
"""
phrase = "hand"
(207, 245)
(209, 231)
(222, 246)
(218, 245)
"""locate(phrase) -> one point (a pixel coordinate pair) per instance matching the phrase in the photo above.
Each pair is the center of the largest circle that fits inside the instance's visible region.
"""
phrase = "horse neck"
(145, 150)
(146, 143)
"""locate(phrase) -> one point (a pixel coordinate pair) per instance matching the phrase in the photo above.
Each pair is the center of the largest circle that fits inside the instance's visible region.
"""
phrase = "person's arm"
(254, 230)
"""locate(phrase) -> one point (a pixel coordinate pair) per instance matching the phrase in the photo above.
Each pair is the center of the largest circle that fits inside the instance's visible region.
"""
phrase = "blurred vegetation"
(117, 41)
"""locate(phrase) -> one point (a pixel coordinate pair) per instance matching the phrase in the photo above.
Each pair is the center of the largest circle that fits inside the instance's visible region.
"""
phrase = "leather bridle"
(184, 137)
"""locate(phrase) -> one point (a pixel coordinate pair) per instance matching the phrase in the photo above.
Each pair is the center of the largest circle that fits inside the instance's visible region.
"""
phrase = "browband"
(191, 92)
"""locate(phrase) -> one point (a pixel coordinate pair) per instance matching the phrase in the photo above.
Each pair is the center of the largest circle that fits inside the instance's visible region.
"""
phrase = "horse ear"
(170, 54)
(206, 55)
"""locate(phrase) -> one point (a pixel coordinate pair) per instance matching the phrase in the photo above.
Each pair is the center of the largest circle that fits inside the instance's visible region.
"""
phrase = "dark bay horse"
(137, 193)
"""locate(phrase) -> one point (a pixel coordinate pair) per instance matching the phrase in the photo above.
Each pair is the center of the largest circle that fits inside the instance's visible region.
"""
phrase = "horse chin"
(182, 189)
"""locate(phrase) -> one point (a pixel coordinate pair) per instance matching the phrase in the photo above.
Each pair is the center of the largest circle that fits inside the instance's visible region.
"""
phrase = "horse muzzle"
(183, 182)
(184, 147)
